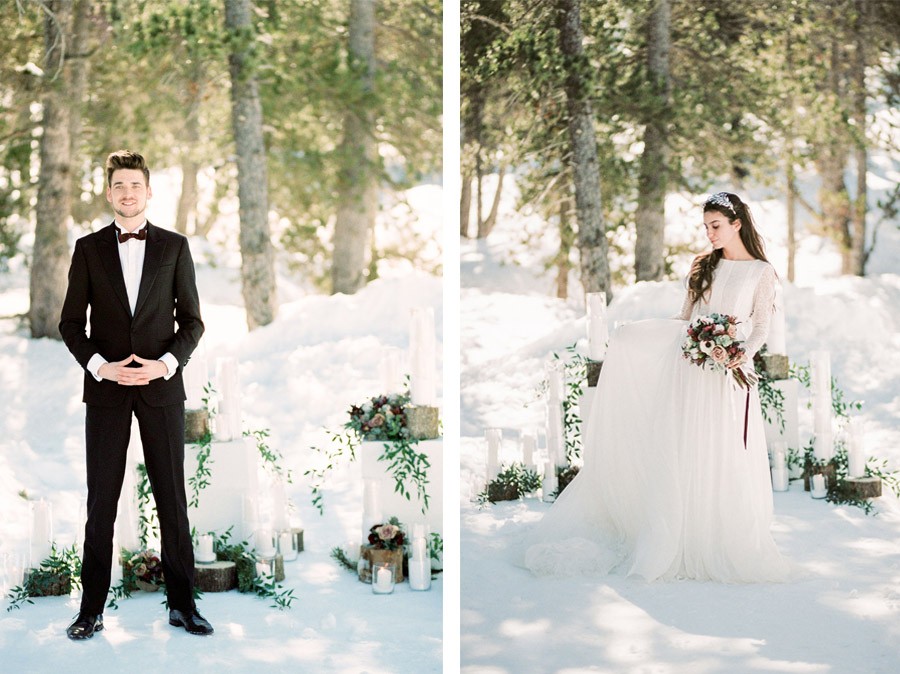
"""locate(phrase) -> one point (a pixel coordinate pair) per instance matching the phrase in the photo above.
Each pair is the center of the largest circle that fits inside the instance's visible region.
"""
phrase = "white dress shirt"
(131, 255)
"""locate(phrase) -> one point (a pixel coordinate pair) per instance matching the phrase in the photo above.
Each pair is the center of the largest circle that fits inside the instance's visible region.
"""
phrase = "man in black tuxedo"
(138, 281)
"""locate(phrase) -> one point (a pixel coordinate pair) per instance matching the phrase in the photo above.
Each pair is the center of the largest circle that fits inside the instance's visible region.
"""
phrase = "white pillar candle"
(41, 532)
(280, 516)
(817, 487)
(420, 574)
(249, 516)
(494, 437)
(856, 451)
(383, 582)
(205, 553)
(780, 481)
(287, 546)
(551, 482)
(598, 330)
(391, 370)
(779, 460)
(422, 357)
(556, 434)
(529, 445)
(419, 530)
(820, 388)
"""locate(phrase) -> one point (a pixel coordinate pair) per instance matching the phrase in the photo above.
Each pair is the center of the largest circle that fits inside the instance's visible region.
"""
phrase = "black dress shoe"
(85, 625)
(191, 620)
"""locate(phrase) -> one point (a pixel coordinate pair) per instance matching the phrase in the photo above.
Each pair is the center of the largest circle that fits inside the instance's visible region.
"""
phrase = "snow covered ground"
(299, 376)
(840, 614)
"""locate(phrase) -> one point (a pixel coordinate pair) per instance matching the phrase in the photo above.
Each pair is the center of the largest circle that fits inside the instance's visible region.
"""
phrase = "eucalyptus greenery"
(200, 479)
(512, 482)
(248, 579)
(148, 522)
(381, 418)
(575, 373)
(56, 575)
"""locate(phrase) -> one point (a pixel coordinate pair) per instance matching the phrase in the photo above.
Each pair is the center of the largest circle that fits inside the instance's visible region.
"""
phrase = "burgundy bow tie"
(140, 235)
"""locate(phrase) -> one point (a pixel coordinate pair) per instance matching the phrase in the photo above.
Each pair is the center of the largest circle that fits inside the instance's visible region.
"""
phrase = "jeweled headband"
(721, 199)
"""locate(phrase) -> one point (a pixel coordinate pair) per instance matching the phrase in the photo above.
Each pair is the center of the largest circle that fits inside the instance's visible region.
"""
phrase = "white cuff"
(94, 365)
(170, 362)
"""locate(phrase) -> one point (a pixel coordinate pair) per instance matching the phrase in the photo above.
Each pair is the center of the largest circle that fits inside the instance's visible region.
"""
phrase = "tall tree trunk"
(650, 216)
(187, 201)
(54, 198)
(592, 245)
(858, 247)
(566, 240)
(257, 259)
(488, 225)
(77, 65)
(830, 164)
(465, 203)
(357, 189)
(790, 176)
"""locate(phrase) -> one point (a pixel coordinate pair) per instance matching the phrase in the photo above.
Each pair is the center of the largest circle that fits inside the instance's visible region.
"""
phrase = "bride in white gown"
(669, 489)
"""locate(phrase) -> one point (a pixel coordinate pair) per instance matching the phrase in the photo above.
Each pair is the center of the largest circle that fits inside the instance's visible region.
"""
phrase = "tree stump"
(863, 487)
(827, 470)
(376, 557)
(776, 365)
(498, 491)
(593, 371)
(196, 425)
(216, 576)
(298, 538)
(423, 422)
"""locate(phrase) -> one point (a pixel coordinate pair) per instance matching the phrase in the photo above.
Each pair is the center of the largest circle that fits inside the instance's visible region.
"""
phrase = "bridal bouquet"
(712, 343)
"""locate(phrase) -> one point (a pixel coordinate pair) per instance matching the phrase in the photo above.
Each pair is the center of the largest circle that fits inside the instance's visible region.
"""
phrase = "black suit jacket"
(167, 297)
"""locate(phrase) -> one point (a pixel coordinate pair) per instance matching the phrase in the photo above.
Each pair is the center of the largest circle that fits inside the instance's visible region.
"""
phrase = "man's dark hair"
(125, 159)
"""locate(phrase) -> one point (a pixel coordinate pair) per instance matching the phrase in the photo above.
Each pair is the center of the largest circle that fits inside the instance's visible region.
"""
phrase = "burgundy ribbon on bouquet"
(746, 417)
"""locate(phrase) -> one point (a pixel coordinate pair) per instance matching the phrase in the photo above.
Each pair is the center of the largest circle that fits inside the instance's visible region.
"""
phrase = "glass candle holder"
(382, 580)
(420, 574)
(287, 546)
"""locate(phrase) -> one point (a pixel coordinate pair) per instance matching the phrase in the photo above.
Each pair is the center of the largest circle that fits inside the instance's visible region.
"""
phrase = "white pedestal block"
(791, 435)
(393, 504)
(233, 476)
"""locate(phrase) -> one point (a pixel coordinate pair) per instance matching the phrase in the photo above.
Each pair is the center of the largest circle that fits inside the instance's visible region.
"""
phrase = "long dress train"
(668, 489)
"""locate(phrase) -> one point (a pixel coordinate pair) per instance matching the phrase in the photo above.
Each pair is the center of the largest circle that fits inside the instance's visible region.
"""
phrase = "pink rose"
(732, 331)
(719, 354)
(387, 532)
(377, 420)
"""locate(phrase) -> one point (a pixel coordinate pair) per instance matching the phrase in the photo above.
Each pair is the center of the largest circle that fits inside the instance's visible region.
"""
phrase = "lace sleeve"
(685, 314)
(763, 303)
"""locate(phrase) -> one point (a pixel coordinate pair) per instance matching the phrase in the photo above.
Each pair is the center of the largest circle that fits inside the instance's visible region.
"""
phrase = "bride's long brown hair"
(700, 279)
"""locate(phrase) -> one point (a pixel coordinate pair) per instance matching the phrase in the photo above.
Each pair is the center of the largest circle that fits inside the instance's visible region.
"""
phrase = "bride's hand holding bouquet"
(712, 343)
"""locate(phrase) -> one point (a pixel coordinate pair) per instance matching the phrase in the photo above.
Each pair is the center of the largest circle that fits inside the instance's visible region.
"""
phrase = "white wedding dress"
(668, 489)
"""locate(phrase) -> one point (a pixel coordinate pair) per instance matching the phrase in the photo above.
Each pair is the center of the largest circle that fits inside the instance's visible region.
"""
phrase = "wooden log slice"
(279, 567)
(776, 365)
(216, 576)
(864, 487)
(298, 537)
(593, 371)
(423, 422)
(196, 425)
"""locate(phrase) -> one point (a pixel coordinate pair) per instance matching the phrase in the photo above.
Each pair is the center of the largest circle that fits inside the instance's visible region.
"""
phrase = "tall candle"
(422, 357)
(418, 548)
(265, 546)
(494, 437)
(598, 330)
(551, 482)
(780, 480)
(529, 445)
(286, 546)
(419, 530)
(280, 517)
(556, 434)
(372, 514)
(856, 452)
(419, 574)
(249, 516)
(820, 387)
(391, 370)
(41, 532)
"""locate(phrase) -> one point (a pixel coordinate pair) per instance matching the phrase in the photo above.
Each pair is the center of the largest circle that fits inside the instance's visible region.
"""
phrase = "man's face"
(128, 193)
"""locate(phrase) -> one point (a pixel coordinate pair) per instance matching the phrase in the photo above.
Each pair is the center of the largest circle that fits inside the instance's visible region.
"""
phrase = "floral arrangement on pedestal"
(142, 570)
(385, 548)
(381, 418)
(386, 537)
